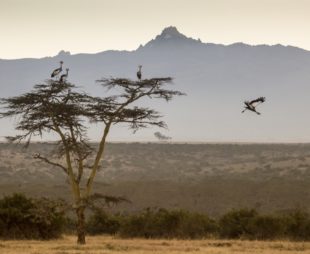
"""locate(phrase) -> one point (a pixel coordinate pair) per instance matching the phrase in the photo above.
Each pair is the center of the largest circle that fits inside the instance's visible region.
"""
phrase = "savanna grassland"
(209, 178)
(107, 245)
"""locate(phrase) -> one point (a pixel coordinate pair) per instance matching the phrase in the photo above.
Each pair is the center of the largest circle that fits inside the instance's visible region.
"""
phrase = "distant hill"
(216, 78)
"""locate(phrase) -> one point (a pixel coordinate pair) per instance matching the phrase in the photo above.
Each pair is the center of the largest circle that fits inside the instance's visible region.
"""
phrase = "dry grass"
(107, 245)
(208, 178)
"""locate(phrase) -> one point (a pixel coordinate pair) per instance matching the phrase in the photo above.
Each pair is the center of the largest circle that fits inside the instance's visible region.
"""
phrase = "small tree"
(58, 107)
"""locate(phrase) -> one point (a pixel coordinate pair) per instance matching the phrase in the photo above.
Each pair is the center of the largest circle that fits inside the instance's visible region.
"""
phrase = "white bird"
(63, 77)
(251, 105)
(57, 71)
(139, 73)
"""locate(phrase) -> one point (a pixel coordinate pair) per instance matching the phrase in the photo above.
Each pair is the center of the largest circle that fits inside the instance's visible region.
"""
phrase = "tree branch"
(38, 156)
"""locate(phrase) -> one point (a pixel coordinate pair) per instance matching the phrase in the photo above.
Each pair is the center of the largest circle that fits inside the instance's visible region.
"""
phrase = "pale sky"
(38, 28)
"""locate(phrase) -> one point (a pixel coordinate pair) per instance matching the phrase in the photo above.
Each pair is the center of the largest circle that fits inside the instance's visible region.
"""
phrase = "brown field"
(106, 244)
(209, 178)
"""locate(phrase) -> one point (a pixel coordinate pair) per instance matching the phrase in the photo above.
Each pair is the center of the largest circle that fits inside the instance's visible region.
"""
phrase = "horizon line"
(178, 142)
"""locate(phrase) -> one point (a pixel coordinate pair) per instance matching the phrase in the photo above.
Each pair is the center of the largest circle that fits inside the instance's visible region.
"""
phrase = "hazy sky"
(37, 28)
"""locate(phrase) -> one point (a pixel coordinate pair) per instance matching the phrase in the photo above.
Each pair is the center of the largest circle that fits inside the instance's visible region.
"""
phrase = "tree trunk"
(81, 225)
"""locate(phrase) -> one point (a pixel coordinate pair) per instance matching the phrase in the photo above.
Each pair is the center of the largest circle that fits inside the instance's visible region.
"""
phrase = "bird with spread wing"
(251, 105)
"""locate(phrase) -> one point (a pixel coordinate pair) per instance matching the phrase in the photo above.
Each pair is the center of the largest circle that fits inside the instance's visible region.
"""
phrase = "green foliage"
(70, 225)
(25, 218)
(267, 227)
(102, 223)
(237, 223)
(248, 224)
(298, 225)
(167, 224)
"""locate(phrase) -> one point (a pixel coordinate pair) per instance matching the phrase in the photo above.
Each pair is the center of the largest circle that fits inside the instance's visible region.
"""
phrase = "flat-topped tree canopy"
(52, 106)
(129, 91)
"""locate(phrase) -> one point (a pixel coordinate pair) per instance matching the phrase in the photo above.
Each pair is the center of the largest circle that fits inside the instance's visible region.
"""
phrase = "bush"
(25, 218)
(69, 225)
(297, 225)
(167, 224)
(266, 227)
(248, 224)
(197, 225)
(101, 223)
(237, 223)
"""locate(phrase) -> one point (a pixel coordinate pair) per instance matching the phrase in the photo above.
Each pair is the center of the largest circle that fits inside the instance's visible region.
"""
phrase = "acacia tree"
(58, 107)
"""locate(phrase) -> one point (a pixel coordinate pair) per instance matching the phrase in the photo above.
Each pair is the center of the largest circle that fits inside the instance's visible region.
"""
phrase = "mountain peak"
(170, 32)
(170, 36)
(64, 53)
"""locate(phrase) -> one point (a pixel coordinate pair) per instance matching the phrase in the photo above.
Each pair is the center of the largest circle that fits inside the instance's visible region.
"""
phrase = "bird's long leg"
(254, 110)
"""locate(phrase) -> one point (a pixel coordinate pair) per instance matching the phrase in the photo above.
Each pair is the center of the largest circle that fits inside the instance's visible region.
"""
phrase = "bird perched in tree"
(63, 77)
(139, 73)
(251, 105)
(57, 71)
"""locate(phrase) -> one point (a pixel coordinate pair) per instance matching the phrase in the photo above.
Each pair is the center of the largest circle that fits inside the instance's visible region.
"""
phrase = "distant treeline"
(26, 218)
(235, 224)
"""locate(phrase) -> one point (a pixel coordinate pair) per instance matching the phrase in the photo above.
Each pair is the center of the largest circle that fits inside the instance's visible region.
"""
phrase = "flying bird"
(251, 105)
(57, 71)
(63, 77)
(139, 73)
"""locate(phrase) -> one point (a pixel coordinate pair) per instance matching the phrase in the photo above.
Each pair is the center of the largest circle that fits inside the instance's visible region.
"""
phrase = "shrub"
(168, 224)
(70, 224)
(237, 223)
(266, 227)
(297, 225)
(101, 223)
(25, 218)
(197, 225)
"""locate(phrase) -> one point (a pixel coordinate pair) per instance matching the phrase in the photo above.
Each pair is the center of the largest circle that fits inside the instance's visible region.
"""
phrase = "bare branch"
(92, 201)
(38, 156)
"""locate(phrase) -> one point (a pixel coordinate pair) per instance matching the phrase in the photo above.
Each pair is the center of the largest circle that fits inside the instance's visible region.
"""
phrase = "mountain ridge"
(216, 78)
(173, 33)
